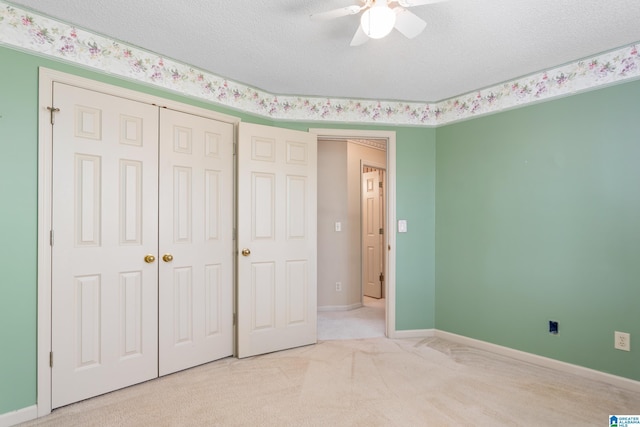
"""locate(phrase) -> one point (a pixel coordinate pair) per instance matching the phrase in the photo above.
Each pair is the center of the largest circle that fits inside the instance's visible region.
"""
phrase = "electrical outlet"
(338, 286)
(622, 341)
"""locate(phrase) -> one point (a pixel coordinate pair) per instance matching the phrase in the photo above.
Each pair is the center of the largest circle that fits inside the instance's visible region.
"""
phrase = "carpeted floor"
(364, 322)
(366, 382)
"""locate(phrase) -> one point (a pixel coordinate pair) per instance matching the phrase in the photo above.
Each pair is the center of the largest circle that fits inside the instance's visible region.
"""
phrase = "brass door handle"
(149, 259)
(246, 252)
(167, 257)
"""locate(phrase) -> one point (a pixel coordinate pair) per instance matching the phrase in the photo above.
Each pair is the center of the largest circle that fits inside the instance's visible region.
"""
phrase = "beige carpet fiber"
(368, 382)
(364, 322)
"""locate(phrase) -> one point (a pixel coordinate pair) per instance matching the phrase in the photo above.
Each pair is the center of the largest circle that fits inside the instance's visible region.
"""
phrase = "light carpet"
(368, 382)
(363, 322)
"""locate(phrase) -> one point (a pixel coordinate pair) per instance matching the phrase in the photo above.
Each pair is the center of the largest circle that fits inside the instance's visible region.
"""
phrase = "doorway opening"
(347, 307)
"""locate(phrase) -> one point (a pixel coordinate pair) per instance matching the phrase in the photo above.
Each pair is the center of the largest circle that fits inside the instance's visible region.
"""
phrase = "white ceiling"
(274, 46)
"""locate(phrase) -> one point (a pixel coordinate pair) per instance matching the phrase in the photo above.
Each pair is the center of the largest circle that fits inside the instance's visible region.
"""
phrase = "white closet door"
(104, 294)
(277, 186)
(196, 242)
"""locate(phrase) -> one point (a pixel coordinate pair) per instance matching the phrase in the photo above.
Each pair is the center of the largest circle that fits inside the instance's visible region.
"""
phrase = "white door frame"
(45, 158)
(390, 236)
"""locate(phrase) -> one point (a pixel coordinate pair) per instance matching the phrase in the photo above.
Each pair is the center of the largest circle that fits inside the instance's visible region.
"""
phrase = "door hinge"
(51, 359)
(382, 231)
(381, 277)
(235, 148)
(52, 112)
(51, 237)
(235, 319)
(380, 184)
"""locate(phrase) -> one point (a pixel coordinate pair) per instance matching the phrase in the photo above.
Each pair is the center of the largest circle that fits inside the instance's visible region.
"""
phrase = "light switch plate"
(402, 226)
(338, 226)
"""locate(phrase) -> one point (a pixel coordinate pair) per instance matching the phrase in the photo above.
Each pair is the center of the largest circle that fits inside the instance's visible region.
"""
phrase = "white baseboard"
(19, 416)
(413, 333)
(339, 307)
(625, 383)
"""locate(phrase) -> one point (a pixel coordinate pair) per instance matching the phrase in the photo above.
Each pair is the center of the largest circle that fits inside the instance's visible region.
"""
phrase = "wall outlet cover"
(622, 341)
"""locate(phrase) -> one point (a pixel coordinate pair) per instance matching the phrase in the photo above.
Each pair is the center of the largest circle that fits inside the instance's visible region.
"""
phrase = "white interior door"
(104, 215)
(383, 221)
(371, 236)
(196, 242)
(277, 233)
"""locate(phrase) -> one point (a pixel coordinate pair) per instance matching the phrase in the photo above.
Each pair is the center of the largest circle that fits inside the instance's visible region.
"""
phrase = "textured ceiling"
(274, 46)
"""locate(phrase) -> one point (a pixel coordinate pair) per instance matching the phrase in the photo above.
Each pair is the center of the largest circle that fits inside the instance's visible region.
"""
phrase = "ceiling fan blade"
(411, 3)
(408, 23)
(336, 13)
(359, 37)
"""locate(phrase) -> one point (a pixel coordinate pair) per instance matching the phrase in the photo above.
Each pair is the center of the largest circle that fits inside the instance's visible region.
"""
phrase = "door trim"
(390, 236)
(45, 158)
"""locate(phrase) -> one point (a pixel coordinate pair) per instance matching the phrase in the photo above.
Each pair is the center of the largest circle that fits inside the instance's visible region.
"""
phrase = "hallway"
(364, 322)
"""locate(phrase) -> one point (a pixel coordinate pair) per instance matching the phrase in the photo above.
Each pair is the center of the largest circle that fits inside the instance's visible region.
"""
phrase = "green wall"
(18, 235)
(415, 255)
(18, 216)
(514, 219)
(538, 218)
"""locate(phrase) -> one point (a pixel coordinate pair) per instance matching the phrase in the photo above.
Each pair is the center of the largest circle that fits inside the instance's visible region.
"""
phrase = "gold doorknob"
(246, 252)
(167, 257)
(149, 259)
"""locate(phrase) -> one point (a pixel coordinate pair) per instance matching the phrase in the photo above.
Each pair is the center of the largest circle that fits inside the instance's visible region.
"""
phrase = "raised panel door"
(277, 184)
(104, 216)
(196, 242)
(371, 239)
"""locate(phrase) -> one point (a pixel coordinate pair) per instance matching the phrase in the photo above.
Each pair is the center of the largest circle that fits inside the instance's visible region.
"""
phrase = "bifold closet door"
(142, 274)
(142, 243)
(196, 241)
(104, 288)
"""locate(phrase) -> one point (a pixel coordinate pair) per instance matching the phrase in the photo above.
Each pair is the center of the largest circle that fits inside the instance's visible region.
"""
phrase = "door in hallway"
(372, 237)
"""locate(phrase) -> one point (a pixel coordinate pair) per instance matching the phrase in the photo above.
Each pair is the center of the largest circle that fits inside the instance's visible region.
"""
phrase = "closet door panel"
(196, 242)
(104, 220)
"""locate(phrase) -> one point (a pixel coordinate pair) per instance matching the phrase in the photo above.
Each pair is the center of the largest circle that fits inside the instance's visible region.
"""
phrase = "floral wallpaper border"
(45, 36)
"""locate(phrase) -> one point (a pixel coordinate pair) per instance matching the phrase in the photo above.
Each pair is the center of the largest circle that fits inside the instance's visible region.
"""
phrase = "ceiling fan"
(380, 17)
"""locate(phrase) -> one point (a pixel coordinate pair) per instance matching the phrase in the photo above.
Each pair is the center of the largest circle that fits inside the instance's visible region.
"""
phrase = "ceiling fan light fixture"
(378, 21)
